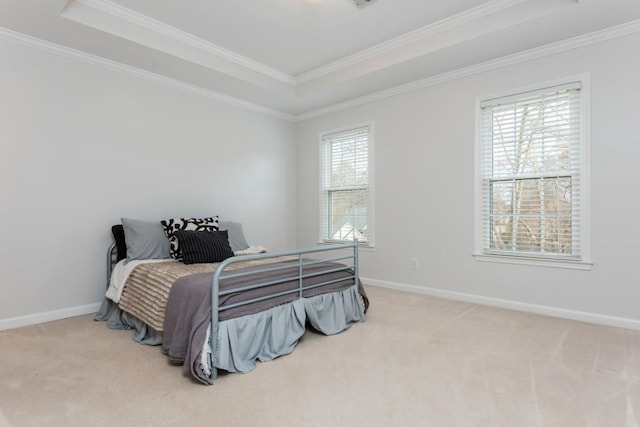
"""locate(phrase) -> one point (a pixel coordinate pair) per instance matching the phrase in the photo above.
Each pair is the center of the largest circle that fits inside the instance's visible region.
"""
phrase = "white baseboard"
(563, 313)
(48, 316)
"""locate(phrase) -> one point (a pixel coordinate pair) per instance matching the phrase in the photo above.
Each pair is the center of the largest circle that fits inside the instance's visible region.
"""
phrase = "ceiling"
(295, 57)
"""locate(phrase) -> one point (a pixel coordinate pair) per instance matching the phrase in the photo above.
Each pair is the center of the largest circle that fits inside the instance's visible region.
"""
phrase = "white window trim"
(370, 244)
(585, 262)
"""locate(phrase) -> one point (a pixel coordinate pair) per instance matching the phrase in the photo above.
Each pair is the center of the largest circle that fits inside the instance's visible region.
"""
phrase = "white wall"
(82, 146)
(424, 177)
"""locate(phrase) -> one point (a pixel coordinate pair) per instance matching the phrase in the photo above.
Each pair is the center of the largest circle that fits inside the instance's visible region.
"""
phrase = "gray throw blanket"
(188, 312)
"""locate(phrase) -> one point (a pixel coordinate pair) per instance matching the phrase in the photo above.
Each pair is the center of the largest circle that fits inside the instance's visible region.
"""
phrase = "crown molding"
(427, 31)
(628, 28)
(550, 49)
(49, 47)
(143, 21)
(140, 20)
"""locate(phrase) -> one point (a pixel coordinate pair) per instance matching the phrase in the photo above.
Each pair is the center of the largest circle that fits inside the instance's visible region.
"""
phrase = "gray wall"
(82, 146)
(424, 188)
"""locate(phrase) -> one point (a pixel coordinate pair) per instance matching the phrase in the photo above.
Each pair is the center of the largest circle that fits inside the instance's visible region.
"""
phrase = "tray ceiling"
(294, 57)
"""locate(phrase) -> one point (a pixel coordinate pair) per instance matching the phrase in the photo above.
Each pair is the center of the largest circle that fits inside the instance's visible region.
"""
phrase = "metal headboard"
(112, 259)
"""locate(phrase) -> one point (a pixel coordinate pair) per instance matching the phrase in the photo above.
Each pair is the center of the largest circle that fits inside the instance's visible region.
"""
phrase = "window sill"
(366, 247)
(534, 261)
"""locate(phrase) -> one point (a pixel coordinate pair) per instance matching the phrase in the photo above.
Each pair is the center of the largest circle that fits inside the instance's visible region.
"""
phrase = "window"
(532, 176)
(346, 185)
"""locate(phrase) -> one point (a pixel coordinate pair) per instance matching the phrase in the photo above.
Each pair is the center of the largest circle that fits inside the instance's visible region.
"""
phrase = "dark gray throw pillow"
(118, 237)
(203, 246)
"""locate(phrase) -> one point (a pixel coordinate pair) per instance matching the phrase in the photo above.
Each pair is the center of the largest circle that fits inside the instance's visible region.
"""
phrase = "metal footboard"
(336, 253)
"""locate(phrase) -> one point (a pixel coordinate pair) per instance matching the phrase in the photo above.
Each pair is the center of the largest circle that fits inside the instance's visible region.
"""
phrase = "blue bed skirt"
(262, 336)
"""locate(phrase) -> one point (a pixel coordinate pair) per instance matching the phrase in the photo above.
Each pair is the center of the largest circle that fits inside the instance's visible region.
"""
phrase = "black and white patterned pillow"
(172, 225)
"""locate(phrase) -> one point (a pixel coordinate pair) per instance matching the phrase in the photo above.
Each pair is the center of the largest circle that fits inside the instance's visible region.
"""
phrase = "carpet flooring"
(416, 361)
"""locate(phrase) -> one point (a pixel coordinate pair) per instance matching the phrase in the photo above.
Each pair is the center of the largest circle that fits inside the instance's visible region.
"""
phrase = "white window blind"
(345, 185)
(531, 172)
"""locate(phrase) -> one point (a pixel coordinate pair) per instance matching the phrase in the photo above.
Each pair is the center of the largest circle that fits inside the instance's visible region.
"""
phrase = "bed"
(250, 305)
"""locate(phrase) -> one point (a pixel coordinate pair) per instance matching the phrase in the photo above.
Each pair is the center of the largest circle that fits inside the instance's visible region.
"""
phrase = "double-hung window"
(346, 185)
(531, 177)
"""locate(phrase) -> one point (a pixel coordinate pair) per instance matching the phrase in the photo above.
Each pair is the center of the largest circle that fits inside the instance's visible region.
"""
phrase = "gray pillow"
(237, 240)
(145, 239)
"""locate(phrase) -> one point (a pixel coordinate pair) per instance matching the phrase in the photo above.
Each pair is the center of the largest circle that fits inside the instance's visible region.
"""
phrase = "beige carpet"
(416, 361)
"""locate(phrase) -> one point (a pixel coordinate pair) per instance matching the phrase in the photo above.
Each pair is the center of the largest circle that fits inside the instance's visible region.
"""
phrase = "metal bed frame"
(299, 277)
(112, 258)
(219, 274)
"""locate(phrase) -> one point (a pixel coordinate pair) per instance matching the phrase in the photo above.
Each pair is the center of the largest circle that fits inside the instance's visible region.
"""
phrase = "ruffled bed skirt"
(262, 336)
(118, 319)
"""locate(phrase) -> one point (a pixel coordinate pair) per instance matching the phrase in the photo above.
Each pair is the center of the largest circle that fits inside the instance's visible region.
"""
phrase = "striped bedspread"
(147, 288)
